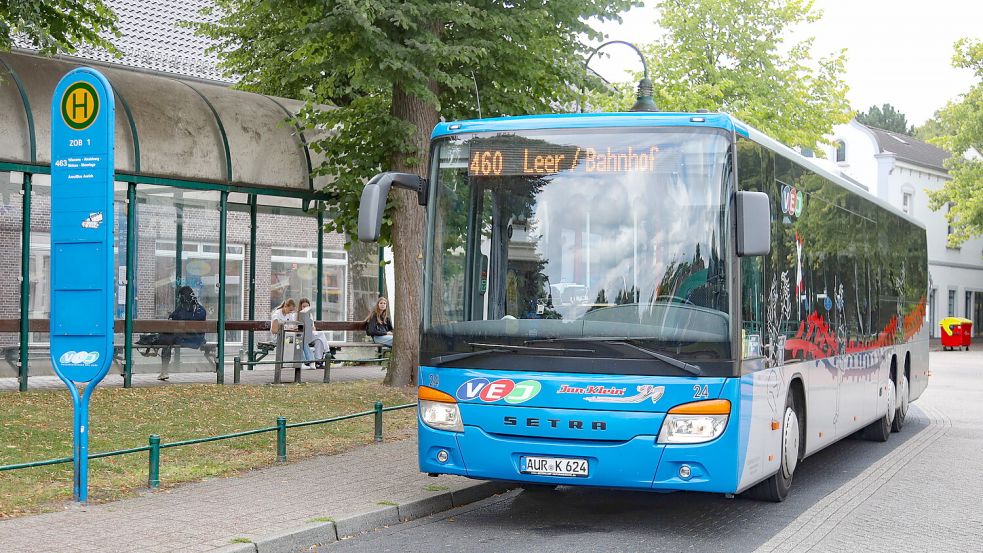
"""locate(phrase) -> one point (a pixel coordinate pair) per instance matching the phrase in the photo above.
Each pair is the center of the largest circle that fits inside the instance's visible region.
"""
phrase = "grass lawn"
(37, 425)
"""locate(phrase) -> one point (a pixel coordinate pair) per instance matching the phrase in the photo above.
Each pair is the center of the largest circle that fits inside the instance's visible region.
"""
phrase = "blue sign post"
(82, 162)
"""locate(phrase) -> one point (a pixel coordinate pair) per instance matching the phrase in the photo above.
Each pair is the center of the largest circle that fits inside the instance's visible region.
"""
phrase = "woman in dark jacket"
(379, 325)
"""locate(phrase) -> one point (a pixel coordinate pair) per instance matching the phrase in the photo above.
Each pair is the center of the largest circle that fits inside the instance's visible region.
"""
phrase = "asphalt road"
(852, 496)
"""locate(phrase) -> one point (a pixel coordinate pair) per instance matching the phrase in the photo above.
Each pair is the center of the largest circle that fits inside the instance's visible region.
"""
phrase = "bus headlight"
(442, 416)
(693, 423)
(439, 410)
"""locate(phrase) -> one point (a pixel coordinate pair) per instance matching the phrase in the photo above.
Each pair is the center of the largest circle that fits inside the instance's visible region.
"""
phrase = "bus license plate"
(554, 466)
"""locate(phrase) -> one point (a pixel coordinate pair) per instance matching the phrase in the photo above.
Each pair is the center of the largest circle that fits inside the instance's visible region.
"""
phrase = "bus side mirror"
(753, 224)
(372, 205)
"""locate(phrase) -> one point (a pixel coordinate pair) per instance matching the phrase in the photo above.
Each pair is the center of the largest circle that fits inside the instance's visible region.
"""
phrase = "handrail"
(154, 444)
(171, 326)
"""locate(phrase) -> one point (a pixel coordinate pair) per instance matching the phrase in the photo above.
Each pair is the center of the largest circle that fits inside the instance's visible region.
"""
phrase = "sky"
(898, 51)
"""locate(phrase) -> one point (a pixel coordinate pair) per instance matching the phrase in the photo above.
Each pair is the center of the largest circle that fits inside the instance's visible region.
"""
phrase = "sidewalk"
(258, 376)
(220, 514)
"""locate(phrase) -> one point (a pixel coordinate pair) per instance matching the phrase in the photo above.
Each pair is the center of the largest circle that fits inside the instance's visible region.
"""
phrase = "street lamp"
(644, 101)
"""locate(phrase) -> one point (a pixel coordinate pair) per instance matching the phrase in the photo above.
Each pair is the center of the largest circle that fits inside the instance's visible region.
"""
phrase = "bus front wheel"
(880, 430)
(777, 486)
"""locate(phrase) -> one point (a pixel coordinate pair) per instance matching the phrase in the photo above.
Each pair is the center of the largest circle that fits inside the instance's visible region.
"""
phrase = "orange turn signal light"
(708, 407)
(431, 394)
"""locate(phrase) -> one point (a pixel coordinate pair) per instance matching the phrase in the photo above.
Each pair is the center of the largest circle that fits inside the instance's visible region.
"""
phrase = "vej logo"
(793, 200)
(503, 388)
(70, 358)
(79, 105)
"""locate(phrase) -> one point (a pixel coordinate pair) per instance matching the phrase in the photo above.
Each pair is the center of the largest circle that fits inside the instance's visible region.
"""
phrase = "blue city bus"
(658, 301)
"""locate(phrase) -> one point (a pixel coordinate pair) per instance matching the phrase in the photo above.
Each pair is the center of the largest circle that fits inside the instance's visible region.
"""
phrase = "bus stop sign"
(82, 288)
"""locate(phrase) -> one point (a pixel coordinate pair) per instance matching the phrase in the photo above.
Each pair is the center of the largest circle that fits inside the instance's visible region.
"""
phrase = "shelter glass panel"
(11, 221)
(293, 268)
(177, 268)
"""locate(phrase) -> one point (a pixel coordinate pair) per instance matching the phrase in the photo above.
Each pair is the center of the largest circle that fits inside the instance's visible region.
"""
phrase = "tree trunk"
(408, 235)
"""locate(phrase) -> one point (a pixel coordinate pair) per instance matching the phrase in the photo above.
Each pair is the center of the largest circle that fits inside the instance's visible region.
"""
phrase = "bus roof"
(655, 119)
(591, 120)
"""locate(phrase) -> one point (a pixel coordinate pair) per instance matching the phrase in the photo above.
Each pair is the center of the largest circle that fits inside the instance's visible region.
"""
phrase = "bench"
(381, 352)
(264, 348)
(11, 355)
(290, 337)
(165, 351)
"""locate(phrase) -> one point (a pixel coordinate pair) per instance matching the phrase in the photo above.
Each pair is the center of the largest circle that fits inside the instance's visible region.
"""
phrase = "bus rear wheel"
(903, 400)
(777, 486)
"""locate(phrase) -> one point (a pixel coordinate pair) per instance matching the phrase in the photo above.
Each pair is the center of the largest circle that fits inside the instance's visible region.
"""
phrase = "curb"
(363, 522)
(303, 538)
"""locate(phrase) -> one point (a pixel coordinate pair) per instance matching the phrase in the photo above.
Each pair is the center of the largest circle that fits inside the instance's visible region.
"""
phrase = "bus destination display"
(505, 160)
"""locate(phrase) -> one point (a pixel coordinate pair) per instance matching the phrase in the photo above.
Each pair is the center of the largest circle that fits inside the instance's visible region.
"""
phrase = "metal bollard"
(236, 368)
(153, 480)
(281, 439)
(378, 421)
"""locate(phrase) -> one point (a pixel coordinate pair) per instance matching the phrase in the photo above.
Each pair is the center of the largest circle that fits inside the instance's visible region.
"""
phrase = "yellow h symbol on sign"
(79, 105)
(80, 100)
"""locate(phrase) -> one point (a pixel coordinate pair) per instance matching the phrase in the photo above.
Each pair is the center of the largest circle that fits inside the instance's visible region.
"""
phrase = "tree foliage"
(525, 58)
(962, 123)
(733, 57)
(886, 118)
(392, 68)
(54, 26)
(930, 129)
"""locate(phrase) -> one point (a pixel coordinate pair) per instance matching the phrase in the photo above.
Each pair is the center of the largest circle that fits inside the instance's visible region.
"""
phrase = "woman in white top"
(282, 314)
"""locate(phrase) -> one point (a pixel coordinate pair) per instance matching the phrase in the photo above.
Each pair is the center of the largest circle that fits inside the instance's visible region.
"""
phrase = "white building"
(900, 169)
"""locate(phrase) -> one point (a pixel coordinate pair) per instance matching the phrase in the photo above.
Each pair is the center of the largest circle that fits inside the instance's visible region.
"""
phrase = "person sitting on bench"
(378, 325)
(315, 338)
(188, 309)
(282, 314)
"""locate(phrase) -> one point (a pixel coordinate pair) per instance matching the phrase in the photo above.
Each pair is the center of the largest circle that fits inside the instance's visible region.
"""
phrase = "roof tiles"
(152, 39)
(910, 149)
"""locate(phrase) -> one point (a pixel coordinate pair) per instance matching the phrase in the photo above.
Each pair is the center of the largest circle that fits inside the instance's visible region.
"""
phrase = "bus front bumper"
(637, 463)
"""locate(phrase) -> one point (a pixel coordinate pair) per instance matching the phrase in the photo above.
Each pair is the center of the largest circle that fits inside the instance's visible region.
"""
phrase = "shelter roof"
(165, 127)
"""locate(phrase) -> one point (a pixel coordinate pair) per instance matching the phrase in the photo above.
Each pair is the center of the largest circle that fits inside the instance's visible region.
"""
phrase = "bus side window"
(752, 311)
(755, 172)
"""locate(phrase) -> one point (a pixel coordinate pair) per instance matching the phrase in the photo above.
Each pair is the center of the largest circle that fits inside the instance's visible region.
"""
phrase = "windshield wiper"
(509, 347)
(497, 348)
(450, 358)
(679, 364)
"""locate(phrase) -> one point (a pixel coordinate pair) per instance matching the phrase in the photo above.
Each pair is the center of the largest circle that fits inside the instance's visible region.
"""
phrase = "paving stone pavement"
(209, 515)
(924, 495)
(257, 376)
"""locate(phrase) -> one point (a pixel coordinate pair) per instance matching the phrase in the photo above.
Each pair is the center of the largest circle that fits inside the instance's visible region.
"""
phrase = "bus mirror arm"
(753, 224)
(372, 205)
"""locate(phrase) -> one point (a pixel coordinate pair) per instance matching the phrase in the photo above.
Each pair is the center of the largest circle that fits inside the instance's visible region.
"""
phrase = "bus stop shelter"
(205, 177)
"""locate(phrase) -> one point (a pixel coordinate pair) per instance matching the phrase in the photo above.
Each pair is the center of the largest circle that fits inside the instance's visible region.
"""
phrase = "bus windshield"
(580, 251)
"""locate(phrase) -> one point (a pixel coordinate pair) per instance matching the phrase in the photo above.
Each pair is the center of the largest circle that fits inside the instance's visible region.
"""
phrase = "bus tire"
(880, 430)
(903, 400)
(776, 487)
